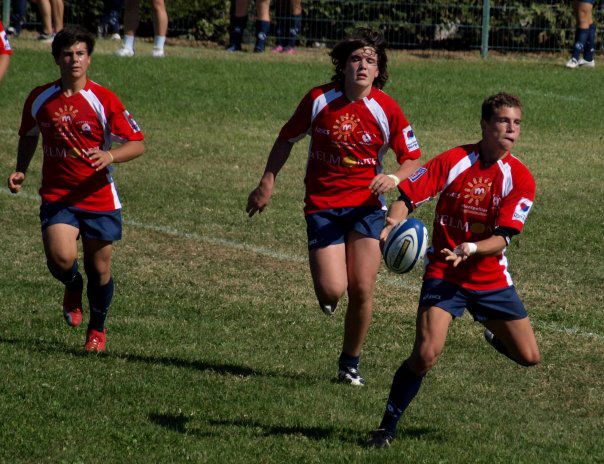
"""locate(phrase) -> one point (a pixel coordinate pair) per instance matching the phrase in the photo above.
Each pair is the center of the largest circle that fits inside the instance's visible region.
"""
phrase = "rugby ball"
(405, 245)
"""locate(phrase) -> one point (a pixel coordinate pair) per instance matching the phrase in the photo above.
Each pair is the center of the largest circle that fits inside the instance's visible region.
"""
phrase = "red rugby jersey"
(347, 143)
(4, 43)
(474, 200)
(70, 126)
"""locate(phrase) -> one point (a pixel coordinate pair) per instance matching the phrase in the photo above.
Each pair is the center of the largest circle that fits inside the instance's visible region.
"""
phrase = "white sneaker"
(158, 53)
(115, 36)
(572, 63)
(586, 64)
(125, 51)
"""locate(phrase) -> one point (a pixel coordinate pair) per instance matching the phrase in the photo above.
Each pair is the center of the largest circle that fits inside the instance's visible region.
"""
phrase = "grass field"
(218, 351)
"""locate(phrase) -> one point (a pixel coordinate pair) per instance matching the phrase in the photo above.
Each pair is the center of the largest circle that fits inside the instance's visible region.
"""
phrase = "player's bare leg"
(515, 339)
(363, 262)
(97, 262)
(328, 271)
(60, 246)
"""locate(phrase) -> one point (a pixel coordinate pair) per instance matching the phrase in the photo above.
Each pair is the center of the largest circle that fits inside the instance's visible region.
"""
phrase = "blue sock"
(99, 298)
(262, 30)
(590, 44)
(72, 279)
(238, 24)
(294, 30)
(580, 39)
(405, 386)
(348, 361)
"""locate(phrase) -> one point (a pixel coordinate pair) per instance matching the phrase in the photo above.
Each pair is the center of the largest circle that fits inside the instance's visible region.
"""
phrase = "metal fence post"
(486, 15)
(6, 13)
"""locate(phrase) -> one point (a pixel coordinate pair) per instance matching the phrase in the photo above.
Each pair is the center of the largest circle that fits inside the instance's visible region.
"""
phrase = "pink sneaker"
(72, 307)
(277, 49)
(289, 51)
(95, 341)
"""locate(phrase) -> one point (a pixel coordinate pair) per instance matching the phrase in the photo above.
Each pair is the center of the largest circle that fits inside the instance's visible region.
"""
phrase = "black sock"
(72, 279)
(238, 24)
(99, 298)
(590, 44)
(581, 36)
(262, 30)
(294, 30)
(405, 386)
(348, 361)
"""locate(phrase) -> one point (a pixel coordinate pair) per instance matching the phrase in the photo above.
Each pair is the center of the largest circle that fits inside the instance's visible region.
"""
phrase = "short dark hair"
(360, 38)
(70, 35)
(496, 101)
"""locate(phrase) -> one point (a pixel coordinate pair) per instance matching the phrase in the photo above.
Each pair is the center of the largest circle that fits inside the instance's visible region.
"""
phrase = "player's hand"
(390, 223)
(382, 184)
(100, 158)
(258, 200)
(15, 181)
(460, 254)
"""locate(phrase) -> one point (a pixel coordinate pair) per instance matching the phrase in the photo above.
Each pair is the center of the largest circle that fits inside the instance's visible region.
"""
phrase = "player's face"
(361, 67)
(74, 61)
(502, 131)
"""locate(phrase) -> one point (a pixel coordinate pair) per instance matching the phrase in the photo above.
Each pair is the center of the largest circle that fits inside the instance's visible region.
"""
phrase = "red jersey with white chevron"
(347, 142)
(71, 126)
(4, 43)
(474, 200)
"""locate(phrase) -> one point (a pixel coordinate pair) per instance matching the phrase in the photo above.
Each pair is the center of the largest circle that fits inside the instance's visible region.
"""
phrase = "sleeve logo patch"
(417, 174)
(410, 140)
(131, 121)
(522, 209)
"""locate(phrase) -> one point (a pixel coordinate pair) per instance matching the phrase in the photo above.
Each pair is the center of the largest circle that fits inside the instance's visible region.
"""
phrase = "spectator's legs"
(160, 24)
(57, 8)
(263, 24)
(295, 25)
(131, 20)
(238, 24)
(46, 18)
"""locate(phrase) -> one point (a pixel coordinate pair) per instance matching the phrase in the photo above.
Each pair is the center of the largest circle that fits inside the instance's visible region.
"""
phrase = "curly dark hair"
(70, 35)
(360, 38)
(494, 102)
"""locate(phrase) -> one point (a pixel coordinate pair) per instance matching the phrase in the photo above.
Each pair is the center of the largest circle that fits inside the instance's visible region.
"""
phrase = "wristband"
(472, 247)
(395, 179)
(110, 155)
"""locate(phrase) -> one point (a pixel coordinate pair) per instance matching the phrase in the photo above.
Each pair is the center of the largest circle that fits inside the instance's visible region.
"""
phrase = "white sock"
(159, 42)
(129, 42)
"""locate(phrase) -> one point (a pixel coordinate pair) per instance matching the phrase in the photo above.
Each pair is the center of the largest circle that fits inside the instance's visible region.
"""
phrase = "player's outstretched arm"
(128, 151)
(25, 152)
(259, 197)
(490, 246)
(383, 183)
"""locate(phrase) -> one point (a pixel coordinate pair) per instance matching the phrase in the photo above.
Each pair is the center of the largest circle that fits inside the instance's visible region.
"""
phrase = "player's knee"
(60, 266)
(530, 358)
(424, 360)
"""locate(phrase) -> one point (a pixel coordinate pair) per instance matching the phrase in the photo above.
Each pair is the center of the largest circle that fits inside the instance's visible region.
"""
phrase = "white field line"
(552, 95)
(262, 251)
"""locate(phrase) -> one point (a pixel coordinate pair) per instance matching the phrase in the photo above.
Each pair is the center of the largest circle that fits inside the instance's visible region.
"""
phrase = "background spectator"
(239, 9)
(289, 24)
(585, 35)
(110, 22)
(51, 14)
(131, 20)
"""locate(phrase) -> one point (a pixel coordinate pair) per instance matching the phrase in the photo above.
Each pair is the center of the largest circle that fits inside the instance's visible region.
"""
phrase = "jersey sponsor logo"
(477, 190)
(350, 161)
(410, 140)
(417, 174)
(320, 130)
(523, 207)
(367, 138)
(64, 116)
(453, 222)
(345, 125)
(58, 152)
(86, 127)
(5, 41)
(131, 121)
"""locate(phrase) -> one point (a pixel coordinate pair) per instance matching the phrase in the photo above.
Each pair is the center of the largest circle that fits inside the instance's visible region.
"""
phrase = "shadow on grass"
(45, 346)
(179, 423)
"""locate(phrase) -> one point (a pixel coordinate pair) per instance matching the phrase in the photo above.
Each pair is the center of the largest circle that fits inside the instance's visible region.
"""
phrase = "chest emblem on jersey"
(345, 126)
(64, 116)
(476, 190)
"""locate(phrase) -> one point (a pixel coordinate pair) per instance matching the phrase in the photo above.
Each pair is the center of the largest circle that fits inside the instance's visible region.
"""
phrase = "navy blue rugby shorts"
(484, 305)
(331, 226)
(105, 225)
